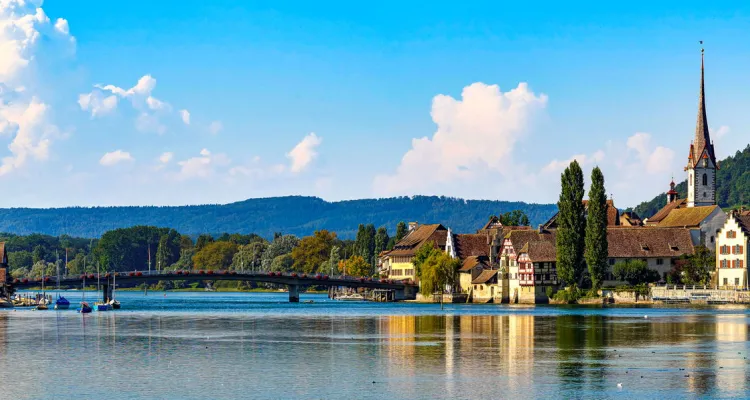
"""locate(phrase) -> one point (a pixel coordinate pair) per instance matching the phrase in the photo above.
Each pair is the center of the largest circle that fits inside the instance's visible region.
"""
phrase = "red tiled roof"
(471, 245)
(687, 217)
(485, 276)
(520, 238)
(641, 242)
(661, 214)
(407, 246)
(471, 262)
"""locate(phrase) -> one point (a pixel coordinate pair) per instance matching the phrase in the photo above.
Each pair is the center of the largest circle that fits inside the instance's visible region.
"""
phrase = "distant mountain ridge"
(298, 215)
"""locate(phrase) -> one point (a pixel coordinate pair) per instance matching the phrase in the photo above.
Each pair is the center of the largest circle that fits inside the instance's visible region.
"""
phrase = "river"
(256, 345)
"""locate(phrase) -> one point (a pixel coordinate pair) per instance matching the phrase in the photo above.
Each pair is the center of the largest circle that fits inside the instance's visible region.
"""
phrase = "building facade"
(731, 252)
(398, 264)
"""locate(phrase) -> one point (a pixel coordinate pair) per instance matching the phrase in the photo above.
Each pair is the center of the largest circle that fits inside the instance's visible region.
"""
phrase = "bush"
(550, 292)
(569, 295)
(634, 272)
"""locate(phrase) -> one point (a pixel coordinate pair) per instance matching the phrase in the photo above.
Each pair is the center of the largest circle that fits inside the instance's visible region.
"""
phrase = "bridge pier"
(294, 293)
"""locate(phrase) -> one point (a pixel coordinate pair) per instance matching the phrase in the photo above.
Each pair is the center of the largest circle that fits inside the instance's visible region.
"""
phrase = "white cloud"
(97, 104)
(655, 161)
(720, 133)
(185, 115)
(215, 127)
(202, 166)
(62, 26)
(147, 122)
(27, 35)
(304, 153)
(556, 166)
(166, 157)
(156, 104)
(474, 134)
(152, 114)
(115, 157)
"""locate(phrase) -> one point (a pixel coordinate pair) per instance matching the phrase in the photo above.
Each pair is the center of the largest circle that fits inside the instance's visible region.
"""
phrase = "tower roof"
(702, 141)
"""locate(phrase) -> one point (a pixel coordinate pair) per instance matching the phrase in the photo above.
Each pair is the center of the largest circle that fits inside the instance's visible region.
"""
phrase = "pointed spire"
(702, 139)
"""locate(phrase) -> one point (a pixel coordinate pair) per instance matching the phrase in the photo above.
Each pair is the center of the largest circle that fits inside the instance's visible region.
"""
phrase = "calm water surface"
(227, 345)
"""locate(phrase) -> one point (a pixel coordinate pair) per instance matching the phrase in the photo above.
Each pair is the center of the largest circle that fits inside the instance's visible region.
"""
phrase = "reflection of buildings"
(731, 368)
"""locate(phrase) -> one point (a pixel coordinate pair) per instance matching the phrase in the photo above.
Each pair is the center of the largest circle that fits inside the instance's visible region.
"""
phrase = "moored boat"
(351, 297)
(102, 306)
(62, 303)
(85, 308)
(114, 304)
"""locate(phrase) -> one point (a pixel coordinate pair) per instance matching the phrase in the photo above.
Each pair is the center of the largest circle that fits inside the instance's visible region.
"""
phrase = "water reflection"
(514, 354)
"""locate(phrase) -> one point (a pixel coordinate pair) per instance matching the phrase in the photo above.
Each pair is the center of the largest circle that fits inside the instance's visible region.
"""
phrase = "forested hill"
(733, 189)
(290, 215)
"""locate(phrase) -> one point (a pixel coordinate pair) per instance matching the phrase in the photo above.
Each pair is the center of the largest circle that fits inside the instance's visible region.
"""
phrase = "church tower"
(702, 164)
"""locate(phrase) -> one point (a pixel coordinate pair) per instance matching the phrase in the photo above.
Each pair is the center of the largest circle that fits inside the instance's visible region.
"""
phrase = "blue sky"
(344, 100)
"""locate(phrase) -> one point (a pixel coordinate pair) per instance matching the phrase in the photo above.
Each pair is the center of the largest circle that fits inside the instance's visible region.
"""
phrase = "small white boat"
(351, 297)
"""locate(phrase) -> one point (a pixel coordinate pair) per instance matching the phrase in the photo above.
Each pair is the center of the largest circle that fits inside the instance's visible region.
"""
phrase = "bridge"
(293, 281)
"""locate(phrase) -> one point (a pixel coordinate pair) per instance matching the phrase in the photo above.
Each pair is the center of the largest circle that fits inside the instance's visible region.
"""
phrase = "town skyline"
(224, 102)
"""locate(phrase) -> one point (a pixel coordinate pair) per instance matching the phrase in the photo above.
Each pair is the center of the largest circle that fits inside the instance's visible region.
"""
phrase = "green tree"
(202, 241)
(422, 254)
(597, 249)
(635, 272)
(333, 259)
(168, 250)
(282, 263)
(186, 242)
(20, 259)
(313, 251)
(437, 271)
(249, 256)
(381, 241)
(215, 255)
(401, 231)
(571, 225)
(514, 218)
(280, 245)
(356, 266)
(39, 253)
(697, 271)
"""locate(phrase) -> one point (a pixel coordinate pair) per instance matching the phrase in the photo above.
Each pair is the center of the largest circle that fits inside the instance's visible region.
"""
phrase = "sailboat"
(100, 305)
(85, 307)
(61, 303)
(114, 303)
(42, 303)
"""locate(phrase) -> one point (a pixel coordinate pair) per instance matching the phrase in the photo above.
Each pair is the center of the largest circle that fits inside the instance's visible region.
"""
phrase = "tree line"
(163, 249)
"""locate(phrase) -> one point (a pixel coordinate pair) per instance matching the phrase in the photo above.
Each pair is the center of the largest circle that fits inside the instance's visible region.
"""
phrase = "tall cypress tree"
(381, 240)
(400, 231)
(596, 229)
(571, 225)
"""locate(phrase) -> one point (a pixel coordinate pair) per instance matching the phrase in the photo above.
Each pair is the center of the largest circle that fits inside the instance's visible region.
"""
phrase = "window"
(725, 282)
(705, 182)
(712, 239)
(659, 261)
(736, 281)
(731, 234)
(690, 179)
(611, 261)
(704, 194)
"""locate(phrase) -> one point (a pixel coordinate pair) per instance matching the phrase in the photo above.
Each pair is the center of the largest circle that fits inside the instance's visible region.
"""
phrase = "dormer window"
(705, 163)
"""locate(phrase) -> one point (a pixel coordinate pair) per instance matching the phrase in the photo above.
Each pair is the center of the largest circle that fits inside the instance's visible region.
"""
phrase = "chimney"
(413, 226)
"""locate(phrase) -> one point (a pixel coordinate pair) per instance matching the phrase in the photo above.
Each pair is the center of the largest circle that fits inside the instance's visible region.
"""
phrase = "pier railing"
(698, 294)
